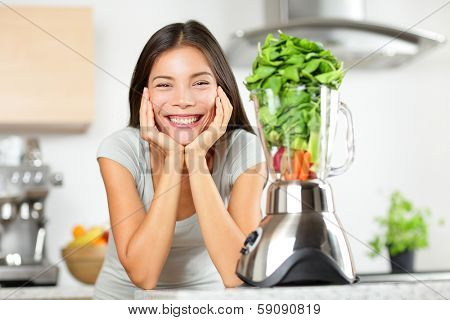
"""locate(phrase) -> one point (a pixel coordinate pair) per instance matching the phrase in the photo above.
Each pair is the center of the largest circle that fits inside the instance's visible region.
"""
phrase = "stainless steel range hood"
(341, 27)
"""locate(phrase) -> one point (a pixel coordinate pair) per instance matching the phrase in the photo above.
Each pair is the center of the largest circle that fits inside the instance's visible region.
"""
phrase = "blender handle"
(335, 171)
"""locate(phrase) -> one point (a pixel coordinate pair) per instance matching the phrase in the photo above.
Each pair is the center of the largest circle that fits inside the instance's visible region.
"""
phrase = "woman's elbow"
(141, 279)
(142, 282)
(146, 285)
(233, 283)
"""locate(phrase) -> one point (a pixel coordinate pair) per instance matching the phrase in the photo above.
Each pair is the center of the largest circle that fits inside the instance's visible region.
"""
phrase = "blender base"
(305, 267)
(301, 240)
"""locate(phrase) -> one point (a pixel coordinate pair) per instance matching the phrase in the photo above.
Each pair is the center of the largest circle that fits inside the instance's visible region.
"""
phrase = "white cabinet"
(46, 70)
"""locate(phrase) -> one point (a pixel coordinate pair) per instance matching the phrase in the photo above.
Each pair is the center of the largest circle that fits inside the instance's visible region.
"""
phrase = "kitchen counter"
(423, 290)
(57, 292)
(373, 286)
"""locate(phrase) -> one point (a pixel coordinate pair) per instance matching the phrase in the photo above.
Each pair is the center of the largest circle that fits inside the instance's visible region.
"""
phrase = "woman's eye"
(202, 83)
(163, 85)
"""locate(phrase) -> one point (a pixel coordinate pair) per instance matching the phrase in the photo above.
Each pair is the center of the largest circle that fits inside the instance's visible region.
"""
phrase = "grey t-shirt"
(188, 263)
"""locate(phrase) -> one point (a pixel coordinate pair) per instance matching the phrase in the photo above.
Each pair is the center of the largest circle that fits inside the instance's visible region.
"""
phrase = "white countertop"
(405, 290)
(57, 292)
(435, 289)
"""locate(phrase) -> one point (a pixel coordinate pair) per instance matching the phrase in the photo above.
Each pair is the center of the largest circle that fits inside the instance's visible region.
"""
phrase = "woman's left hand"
(198, 148)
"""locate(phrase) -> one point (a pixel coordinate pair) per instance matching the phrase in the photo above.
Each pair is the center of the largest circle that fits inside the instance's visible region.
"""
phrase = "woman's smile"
(185, 120)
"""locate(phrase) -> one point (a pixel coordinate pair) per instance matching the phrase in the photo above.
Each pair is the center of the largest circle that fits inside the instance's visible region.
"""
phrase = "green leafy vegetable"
(296, 61)
(294, 69)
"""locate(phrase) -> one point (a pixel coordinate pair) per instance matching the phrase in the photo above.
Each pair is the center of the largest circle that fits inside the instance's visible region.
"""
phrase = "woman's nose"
(183, 97)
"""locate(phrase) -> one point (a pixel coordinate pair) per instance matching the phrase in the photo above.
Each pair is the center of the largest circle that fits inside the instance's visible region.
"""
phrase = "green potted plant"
(404, 230)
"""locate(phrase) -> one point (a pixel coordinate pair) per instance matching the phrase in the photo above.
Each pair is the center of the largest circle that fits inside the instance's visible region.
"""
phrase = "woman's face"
(182, 90)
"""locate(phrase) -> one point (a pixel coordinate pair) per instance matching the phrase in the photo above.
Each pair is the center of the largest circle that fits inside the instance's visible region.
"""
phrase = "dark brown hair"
(191, 33)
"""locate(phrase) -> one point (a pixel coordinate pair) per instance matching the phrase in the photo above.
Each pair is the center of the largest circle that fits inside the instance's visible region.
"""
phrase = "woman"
(184, 179)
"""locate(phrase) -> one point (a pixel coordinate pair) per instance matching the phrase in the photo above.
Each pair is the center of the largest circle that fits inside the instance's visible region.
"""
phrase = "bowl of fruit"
(84, 255)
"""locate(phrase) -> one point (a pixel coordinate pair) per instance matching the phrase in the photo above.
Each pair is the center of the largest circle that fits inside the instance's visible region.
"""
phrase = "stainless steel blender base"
(300, 241)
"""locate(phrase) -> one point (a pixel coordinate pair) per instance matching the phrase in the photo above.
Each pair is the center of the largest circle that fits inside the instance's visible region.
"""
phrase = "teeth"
(183, 120)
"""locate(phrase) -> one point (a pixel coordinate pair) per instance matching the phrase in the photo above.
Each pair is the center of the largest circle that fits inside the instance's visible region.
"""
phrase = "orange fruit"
(105, 235)
(100, 241)
(78, 231)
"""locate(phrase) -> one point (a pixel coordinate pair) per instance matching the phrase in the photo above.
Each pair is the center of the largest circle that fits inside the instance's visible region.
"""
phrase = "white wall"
(400, 121)
(402, 137)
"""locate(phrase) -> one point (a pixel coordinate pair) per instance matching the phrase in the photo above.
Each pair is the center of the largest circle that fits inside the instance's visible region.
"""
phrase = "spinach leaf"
(293, 69)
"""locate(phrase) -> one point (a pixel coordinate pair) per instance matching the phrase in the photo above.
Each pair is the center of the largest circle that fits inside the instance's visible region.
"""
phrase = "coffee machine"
(301, 240)
(24, 187)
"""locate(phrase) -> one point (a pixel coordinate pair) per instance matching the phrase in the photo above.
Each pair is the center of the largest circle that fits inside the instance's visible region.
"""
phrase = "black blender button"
(244, 250)
(251, 238)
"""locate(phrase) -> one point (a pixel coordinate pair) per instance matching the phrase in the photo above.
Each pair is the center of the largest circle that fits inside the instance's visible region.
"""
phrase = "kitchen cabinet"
(46, 73)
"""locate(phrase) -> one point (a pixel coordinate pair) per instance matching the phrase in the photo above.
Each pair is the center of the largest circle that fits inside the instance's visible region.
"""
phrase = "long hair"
(191, 33)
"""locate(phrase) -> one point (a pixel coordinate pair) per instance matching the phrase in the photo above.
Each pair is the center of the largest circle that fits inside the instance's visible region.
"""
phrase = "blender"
(301, 240)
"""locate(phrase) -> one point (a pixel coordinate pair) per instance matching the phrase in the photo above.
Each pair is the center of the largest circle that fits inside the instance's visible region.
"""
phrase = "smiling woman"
(184, 179)
(182, 97)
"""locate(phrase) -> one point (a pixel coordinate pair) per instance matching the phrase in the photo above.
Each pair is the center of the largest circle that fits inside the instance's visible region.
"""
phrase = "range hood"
(340, 26)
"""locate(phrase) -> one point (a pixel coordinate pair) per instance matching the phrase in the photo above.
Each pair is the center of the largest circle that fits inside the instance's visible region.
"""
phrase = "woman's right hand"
(150, 133)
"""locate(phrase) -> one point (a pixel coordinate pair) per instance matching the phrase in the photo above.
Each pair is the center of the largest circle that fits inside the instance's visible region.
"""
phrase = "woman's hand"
(150, 133)
(197, 149)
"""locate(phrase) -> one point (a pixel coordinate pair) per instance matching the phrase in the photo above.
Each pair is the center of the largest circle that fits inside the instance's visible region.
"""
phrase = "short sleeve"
(122, 147)
(246, 152)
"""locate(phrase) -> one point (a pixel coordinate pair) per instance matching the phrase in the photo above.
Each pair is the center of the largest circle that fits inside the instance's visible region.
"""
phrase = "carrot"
(298, 156)
(304, 170)
(293, 174)
(289, 176)
(301, 166)
(296, 164)
(300, 159)
(287, 165)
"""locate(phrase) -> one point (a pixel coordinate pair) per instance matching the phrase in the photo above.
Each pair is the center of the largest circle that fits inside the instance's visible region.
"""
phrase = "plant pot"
(402, 262)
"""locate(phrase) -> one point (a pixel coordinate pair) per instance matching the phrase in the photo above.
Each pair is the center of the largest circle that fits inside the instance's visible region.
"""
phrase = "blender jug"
(301, 240)
(298, 130)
